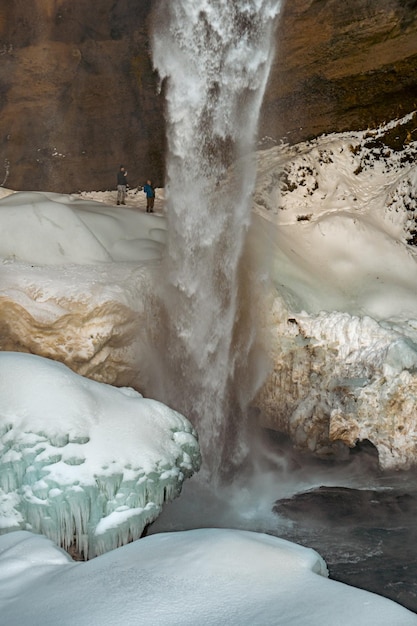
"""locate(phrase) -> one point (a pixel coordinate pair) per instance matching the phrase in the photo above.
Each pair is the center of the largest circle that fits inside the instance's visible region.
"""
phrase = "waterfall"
(213, 58)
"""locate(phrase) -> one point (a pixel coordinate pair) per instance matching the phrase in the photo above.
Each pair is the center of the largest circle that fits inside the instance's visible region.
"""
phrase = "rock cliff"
(341, 66)
(78, 94)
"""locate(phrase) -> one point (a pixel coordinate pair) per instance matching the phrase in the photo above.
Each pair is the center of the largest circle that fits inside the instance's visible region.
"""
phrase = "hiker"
(150, 196)
(121, 185)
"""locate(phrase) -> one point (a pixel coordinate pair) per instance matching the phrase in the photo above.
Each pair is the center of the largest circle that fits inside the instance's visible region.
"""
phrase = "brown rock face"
(78, 95)
(341, 66)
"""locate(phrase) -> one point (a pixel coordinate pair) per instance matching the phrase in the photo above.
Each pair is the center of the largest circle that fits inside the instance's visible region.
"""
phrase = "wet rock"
(368, 508)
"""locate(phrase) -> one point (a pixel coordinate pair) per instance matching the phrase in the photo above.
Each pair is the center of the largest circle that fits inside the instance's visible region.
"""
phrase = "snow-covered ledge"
(76, 280)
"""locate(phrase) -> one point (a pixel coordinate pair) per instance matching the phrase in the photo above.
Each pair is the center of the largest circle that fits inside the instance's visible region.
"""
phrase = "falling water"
(213, 57)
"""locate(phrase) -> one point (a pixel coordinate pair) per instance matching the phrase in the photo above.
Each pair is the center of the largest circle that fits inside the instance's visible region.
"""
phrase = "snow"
(334, 236)
(342, 211)
(87, 464)
(77, 230)
(206, 576)
(79, 296)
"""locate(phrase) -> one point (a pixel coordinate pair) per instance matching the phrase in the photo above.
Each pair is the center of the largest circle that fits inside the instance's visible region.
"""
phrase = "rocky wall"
(78, 94)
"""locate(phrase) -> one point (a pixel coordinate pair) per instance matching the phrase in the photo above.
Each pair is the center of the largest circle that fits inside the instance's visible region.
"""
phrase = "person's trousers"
(149, 203)
(121, 193)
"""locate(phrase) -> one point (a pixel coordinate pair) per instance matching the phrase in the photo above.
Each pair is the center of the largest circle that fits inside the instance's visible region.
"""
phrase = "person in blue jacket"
(150, 196)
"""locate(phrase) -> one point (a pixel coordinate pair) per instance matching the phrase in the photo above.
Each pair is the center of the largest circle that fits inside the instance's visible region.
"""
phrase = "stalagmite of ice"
(84, 463)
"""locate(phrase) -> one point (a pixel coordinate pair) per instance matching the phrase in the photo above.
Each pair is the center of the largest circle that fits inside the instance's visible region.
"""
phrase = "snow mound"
(337, 218)
(206, 577)
(76, 230)
(87, 464)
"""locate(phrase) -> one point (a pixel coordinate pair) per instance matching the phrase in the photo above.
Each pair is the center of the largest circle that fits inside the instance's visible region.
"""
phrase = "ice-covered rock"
(86, 464)
(75, 278)
(337, 216)
(339, 379)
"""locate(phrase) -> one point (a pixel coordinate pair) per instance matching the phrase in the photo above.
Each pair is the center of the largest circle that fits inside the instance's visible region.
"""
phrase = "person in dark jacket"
(121, 185)
(150, 196)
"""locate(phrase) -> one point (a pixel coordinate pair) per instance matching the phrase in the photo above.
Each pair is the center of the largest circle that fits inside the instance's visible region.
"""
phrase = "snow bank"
(340, 214)
(75, 280)
(206, 577)
(65, 229)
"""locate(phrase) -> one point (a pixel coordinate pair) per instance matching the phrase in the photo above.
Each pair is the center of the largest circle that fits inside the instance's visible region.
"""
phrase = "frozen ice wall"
(213, 57)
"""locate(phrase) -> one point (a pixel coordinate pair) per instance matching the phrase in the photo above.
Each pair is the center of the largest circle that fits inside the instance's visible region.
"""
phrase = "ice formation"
(338, 379)
(338, 216)
(84, 463)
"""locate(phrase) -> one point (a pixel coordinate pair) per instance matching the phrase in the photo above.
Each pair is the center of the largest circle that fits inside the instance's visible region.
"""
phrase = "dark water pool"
(366, 536)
